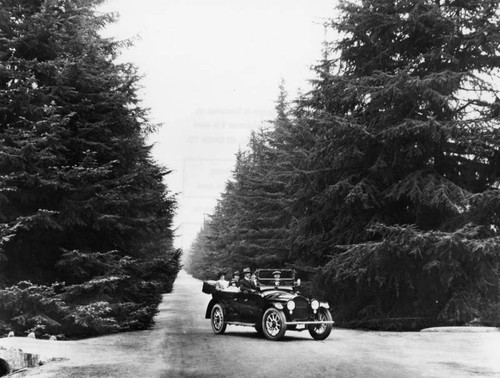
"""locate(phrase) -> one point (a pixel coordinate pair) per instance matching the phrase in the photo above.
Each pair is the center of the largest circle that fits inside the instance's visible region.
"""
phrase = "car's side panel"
(251, 307)
(229, 303)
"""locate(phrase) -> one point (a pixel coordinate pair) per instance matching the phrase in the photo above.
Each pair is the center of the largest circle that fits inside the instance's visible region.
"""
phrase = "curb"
(462, 329)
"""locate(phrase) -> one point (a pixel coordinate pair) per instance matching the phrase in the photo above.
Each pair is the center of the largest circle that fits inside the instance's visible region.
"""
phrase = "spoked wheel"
(273, 324)
(217, 319)
(321, 331)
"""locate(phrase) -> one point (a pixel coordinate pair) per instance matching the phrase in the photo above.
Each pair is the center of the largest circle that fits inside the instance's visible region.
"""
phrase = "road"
(182, 344)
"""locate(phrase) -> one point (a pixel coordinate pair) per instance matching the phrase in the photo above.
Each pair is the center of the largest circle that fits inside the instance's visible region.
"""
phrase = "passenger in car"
(233, 286)
(236, 278)
(253, 278)
(246, 284)
(221, 283)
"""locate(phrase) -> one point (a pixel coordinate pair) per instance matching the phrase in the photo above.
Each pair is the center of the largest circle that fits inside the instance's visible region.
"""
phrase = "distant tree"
(202, 261)
(76, 176)
(261, 223)
(249, 224)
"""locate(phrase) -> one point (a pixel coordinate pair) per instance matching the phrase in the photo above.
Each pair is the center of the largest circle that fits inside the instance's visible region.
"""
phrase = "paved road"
(182, 345)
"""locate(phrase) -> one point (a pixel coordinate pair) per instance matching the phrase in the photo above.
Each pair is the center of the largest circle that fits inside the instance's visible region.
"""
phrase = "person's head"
(221, 275)
(254, 276)
(276, 274)
(233, 283)
(247, 273)
(236, 275)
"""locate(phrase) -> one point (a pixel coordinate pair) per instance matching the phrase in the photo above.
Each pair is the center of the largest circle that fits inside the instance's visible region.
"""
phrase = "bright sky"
(211, 74)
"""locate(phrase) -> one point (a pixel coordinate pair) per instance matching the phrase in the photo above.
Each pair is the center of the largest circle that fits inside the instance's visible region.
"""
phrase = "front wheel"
(217, 319)
(273, 324)
(321, 331)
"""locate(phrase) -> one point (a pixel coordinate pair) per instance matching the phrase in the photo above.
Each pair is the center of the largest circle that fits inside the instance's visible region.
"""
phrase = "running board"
(311, 322)
(241, 324)
(287, 323)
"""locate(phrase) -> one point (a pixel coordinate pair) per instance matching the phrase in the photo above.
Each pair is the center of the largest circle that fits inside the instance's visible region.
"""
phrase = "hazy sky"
(211, 74)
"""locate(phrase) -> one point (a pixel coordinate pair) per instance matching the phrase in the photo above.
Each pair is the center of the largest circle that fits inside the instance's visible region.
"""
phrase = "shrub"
(491, 316)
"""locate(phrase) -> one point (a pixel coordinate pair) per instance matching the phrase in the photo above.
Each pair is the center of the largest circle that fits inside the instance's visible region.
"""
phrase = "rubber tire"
(326, 329)
(216, 317)
(278, 317)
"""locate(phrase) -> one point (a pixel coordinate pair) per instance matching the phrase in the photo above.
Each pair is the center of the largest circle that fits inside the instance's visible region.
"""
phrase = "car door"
(249, 306)
(232, 306)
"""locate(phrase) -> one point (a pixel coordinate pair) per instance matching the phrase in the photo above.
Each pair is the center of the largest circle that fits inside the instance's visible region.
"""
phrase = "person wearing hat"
(236, 278)
(221, 283)
(277, 276)
(253, 278)
(233, 286)
(246, 284)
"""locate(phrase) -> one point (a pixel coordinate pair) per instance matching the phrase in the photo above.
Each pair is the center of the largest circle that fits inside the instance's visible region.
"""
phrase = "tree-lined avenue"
(182, 344)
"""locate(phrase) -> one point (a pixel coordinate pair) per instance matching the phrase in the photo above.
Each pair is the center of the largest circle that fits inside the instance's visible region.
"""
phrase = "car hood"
(281, 296)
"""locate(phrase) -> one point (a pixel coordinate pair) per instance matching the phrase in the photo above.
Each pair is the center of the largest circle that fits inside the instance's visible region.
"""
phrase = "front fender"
(278, 305)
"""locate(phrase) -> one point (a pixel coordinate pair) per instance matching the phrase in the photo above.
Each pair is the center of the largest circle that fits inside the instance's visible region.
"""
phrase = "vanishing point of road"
(181, 344)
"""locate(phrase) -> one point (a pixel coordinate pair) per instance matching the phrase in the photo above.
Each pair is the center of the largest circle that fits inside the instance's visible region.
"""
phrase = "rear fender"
(209, 308)
(211, 305)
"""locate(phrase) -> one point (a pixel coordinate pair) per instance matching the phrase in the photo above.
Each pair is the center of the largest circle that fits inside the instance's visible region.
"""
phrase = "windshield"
(265, 277)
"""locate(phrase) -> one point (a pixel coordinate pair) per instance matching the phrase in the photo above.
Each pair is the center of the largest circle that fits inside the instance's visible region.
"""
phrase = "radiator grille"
(301, 311)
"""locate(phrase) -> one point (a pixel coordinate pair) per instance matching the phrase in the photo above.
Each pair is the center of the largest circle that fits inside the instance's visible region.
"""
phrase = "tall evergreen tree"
(76, 176)
(389, 167)
(406, 121)
(249, 226)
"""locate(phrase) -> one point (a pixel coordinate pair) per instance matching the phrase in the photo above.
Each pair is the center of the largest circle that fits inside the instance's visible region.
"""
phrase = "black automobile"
(275, 307)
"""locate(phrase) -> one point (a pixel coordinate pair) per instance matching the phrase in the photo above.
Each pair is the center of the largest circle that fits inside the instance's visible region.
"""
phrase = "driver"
(246, 284)
(277, 276)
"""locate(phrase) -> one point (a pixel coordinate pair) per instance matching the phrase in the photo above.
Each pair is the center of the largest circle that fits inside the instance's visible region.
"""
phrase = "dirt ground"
(182, 344)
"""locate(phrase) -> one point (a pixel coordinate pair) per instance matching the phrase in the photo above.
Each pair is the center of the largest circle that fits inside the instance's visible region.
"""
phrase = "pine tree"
(249, 226)
(76, 176)
(408, 129)
(203, 261)
(387, 171)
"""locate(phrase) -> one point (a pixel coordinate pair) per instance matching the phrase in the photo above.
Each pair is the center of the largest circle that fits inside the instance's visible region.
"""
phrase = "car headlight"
(290, 305)
(314, 304)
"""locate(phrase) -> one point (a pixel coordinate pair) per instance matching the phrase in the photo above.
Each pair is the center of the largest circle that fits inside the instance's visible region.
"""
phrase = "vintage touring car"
(273, 309)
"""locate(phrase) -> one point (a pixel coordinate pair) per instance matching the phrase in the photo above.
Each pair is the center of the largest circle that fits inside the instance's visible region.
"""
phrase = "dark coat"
(247, 285)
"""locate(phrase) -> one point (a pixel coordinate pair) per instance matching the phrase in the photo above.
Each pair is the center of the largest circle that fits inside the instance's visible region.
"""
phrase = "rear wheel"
(273, 324)
(321, 331)
(217, 319)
